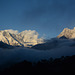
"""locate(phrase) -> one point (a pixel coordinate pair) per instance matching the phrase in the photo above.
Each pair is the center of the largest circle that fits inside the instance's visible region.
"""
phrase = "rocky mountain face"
(67, 33)
(26, 38)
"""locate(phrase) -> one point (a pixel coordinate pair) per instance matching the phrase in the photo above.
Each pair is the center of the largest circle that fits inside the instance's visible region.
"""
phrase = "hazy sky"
(47, 17)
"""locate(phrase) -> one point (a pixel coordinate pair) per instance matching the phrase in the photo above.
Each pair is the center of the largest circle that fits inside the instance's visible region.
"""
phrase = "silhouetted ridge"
(4, 45)
(63, 37)
(61, 66)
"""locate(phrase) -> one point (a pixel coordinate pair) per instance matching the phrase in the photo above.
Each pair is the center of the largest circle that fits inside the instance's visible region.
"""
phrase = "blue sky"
(47, 17)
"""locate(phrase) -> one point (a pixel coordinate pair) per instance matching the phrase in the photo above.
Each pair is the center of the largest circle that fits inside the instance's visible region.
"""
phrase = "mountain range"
(25, 38)
(65, 38)
(29, 38)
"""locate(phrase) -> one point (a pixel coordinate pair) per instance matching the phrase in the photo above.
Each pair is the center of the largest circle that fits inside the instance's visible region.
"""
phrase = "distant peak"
(74, 28)
(68, 33)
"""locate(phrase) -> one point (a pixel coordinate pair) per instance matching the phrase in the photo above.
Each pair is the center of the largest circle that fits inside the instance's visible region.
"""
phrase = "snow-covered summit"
(25, 38)
(68, 33)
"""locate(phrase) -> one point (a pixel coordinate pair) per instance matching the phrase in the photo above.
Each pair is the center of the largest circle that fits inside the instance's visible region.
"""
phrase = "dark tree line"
(60, 66)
